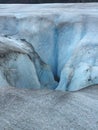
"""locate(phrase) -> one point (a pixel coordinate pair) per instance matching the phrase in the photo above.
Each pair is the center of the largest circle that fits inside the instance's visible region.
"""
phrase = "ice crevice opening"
(55, 50)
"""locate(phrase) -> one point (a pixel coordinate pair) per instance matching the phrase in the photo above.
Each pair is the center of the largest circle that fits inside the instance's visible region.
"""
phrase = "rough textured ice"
(21, 66)
(24, 109)
(53, 46)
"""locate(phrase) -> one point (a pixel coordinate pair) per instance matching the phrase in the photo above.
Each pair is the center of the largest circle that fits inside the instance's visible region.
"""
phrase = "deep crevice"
(56, 78)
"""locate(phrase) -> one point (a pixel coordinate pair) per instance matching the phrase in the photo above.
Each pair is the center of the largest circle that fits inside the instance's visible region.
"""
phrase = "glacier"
(51, 46)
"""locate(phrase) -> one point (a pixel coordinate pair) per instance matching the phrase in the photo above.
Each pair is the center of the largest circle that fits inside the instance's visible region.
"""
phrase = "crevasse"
(52, 48)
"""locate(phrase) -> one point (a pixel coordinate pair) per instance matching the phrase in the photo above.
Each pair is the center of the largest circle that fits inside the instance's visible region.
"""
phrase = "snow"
(59, 40)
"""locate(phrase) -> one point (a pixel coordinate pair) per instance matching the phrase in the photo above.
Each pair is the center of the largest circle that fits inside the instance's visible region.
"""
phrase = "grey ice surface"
(24, 109)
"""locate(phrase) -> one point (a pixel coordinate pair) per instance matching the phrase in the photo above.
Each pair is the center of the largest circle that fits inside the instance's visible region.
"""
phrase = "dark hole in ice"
(89, 79)
(56, 78)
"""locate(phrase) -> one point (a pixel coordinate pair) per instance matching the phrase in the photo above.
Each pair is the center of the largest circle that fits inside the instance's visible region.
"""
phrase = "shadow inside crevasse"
(56, 78)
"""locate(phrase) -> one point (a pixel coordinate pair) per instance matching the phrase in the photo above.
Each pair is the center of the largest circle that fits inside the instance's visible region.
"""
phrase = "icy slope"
(24, 109)
(20, 66)
(64, 41)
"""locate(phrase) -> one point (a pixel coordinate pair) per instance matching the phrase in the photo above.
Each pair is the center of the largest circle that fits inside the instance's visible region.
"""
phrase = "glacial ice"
(49, 45)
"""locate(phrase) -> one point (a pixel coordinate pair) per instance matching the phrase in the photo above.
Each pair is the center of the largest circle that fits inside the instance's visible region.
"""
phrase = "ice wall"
(51, 43)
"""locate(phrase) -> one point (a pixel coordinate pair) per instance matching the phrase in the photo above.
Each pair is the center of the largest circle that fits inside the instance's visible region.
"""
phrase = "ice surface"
(22, 67)
(51, 43)
(24, 109)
